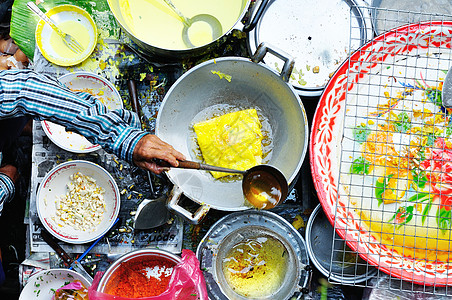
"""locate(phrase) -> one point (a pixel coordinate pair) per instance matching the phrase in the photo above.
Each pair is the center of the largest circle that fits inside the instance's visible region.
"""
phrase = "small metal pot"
(138, 255)
(240, 226)
(177, 54)
(341, 265)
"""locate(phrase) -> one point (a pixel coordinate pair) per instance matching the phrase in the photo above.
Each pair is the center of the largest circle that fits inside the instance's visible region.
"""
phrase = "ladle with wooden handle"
(264, 186)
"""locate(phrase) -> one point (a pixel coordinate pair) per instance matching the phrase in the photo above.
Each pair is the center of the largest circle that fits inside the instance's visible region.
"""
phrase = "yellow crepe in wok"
(233, 140)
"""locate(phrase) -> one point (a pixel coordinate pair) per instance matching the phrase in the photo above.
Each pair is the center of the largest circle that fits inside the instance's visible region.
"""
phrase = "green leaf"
(443, 218)
(403, 123)
(426, 211)
(360, 133)
(403, 215)
(419, 197)
(380, 187)
(430, 140)
(419, 178)
(434, 95)
(360, 166)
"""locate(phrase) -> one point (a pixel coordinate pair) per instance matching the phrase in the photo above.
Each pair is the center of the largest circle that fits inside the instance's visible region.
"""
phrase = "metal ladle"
(446, 94)
(213, 22)
(263, 186)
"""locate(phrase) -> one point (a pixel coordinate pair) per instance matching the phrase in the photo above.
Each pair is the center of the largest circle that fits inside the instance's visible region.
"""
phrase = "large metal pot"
(117, 8)
(252, 85)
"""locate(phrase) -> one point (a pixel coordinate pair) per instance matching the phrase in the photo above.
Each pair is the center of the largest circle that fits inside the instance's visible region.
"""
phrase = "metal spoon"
(446, 95)
(213, 22)
(264, 186)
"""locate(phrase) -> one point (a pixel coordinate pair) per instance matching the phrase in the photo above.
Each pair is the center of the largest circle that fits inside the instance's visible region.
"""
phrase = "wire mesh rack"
(382, 145)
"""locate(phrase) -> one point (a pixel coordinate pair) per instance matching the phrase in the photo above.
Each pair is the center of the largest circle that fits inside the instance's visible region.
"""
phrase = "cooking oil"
(262, 190)
(256, 267)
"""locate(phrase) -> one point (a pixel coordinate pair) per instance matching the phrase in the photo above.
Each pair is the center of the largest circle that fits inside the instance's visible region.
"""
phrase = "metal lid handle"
(289, 62)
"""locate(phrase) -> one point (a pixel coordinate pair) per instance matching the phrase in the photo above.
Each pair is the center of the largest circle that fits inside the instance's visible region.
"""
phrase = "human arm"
(8, 176)
(23, 92)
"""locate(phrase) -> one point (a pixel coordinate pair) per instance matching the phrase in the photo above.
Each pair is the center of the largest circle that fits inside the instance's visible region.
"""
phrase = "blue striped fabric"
(24, 92)
(6, 190)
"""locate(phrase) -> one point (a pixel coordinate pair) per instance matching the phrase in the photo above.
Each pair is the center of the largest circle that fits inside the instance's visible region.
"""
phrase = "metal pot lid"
(388, 14)
(233, 228)
(341, 265)
(318, 34)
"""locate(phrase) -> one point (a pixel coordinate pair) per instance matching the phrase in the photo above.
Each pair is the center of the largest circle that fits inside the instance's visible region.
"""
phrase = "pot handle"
(289, 61)
(252, 22)
(173, 205)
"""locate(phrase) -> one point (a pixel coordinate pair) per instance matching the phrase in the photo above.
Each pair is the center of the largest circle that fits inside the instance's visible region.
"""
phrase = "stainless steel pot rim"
(175, 52)
(363, 17)
(350, 280)
(235, 222)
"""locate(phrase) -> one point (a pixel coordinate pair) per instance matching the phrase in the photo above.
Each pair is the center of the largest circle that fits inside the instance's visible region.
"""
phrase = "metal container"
(341, 265)
(138, 255)
(252, 85)
(389, 14)
(116, 7)
(316, 33)
(237, 227)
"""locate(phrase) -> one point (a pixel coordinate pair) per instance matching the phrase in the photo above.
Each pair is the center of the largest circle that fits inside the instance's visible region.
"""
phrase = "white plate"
(98, 86)
(54, 185)
(43, 284)
(72, 20)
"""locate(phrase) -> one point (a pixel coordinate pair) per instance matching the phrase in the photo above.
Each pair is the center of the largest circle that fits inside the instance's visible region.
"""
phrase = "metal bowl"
(341, 265)
(244, 225)
(138, 255)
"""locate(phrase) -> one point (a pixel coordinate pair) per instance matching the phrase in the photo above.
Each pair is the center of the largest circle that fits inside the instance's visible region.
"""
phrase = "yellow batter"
(153, 21)
(75, 29)
(233, 140)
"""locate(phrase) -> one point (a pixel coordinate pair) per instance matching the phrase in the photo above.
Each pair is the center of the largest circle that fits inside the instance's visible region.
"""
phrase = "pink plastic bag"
(186, 283)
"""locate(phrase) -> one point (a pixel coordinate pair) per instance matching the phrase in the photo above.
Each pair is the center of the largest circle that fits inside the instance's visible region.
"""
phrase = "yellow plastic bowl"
(71, 19)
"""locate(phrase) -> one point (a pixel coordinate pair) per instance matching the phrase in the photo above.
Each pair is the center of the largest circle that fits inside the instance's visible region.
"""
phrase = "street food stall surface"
(117, 58)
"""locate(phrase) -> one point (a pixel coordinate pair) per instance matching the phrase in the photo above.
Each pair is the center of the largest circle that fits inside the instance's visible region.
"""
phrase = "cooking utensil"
(446, 95)
(241, 226)
(263, 186)
(355, 102)
(213, 22)
(315, 33)
(252, 85)
(68, 40)
(150, 213)
(166, 53)
(76, 265)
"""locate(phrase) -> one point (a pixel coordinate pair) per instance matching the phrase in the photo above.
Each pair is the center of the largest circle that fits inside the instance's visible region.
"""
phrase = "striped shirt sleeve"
(24, 92)
(7, 190)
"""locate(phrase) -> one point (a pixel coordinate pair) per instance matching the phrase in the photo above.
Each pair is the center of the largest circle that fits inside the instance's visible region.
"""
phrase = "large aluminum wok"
(252, 85)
